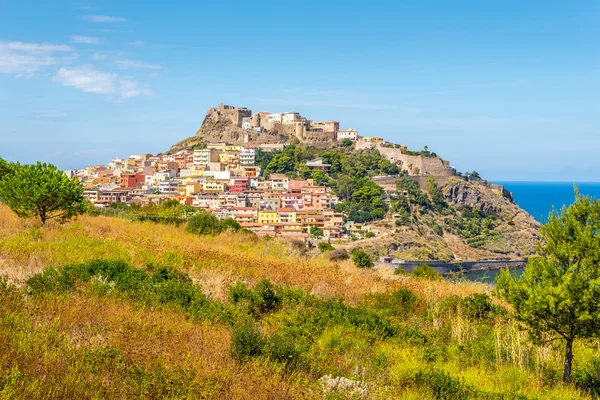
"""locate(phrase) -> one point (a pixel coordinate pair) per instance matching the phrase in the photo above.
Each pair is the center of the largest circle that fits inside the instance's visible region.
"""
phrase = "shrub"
(444, 385)
(246, 342)
(426, 272)
(325, 246)
(260, 300)
(281, 348)
(338, 255)
(369, 235)
(230, 224)
(316, 232)
(204, 223)
(362, 259)
(478, 306)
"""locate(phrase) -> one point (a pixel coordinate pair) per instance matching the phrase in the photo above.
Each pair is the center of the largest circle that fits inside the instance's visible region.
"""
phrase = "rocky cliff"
(481, 222)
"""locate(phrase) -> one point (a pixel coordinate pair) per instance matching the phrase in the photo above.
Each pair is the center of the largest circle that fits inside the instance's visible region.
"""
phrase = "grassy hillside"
(107, 308)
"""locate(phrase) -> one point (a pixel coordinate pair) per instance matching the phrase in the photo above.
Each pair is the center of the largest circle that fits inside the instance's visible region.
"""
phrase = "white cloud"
(136, 43)
(102, 18)
(91, 80)
(87, 79)
(132, 64)
(24, 59)
(86, 39)
(130, 88)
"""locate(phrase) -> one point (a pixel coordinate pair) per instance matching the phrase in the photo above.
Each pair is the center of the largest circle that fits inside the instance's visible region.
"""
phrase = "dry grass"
(48, 339)
(217, 262)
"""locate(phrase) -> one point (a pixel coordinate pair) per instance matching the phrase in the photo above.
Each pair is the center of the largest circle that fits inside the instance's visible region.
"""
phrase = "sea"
(539, 199)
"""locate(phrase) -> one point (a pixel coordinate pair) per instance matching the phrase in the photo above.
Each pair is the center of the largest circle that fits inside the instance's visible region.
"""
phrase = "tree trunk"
(568, 361)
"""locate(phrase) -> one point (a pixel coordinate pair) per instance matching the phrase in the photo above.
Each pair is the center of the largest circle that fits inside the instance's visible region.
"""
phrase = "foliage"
(362, 259)
(325, 246)
(204, 223)
(262, 299)
(557, 295)
(473, 225)
(435, 194)
(246, 342)
(167, 212)
(474, 174)
(426, 272)
(41, 190)
(444, 385)
(5, 168)
(347, 142)
(423, 153)
(316, 232)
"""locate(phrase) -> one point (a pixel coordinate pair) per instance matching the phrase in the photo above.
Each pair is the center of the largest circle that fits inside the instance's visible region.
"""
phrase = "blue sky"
(510, 89)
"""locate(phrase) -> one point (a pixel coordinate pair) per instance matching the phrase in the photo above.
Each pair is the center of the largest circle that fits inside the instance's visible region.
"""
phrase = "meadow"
(107, 308)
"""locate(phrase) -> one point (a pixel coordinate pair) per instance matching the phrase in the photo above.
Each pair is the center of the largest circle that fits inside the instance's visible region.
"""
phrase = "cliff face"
(482, 222)
(490, 199)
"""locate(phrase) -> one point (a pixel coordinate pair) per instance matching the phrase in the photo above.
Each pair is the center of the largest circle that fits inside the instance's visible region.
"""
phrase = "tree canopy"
(558, 294)
(41, 190)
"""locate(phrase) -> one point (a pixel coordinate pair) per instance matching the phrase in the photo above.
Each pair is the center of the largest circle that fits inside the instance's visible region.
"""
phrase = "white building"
(246, 123)
(290, 117)
(274, 118)
(351, 134)
(247, 156)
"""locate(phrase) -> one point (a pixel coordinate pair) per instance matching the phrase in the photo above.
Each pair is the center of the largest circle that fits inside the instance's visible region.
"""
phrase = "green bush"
(246, 342)
(281, 348)
(444, 385)
(362, 259)
(479, 306)
(369, 235)
(166, 286)
(316, 232)
(204, 223)
(424, 271)
(230, 224)
(262, 299)
(325, 246)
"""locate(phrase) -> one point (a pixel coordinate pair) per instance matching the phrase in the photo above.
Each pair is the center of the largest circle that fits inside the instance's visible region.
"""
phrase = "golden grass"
(48, 338)
(217, 262)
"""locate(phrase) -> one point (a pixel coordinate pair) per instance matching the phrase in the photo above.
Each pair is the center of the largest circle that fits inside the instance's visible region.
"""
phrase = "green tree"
(435, 193)
(316, 232)
(5, 168)
(362, 259)
(204, 223)
(426, 272)
(42, 190)
(347, 142)
(475, 174)
(230, 224)
(557, 296)
(325, 246)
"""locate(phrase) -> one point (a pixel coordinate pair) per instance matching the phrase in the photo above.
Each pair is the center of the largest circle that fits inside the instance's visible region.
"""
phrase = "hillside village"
(235, 179)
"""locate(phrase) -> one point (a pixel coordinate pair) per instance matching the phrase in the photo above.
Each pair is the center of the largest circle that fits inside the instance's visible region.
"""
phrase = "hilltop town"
(279, 174)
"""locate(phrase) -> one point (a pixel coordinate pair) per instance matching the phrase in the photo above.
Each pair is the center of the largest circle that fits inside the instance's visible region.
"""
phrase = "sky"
(510, 89)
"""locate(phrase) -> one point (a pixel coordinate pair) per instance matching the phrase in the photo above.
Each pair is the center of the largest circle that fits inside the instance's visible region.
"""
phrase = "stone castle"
(247, 127)
(226, 113)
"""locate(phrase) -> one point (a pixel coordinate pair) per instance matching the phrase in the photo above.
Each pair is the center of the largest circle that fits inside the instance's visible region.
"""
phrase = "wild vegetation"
(103, 308)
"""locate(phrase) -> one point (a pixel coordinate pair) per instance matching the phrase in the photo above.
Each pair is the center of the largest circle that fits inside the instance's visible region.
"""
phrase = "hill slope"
(166, 317)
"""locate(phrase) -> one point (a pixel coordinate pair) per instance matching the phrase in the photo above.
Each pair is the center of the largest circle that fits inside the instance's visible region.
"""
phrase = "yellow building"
(268, 217)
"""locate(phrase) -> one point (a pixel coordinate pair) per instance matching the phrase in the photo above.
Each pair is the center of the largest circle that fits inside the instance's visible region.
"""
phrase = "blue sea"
(537, 198)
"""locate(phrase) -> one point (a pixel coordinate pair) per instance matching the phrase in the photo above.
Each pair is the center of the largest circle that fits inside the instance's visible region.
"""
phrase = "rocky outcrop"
(491, 199)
